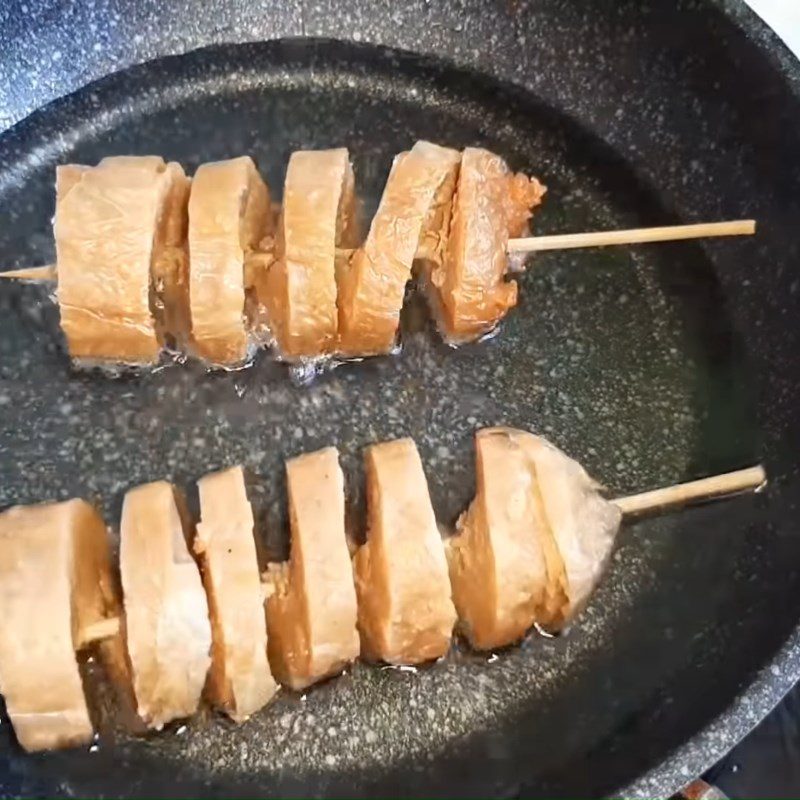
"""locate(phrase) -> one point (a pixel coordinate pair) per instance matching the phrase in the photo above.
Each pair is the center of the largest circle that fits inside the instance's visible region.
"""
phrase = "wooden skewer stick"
(568, 241)
(531, 244)
(97, 631)
(38, 274)
(661, 500)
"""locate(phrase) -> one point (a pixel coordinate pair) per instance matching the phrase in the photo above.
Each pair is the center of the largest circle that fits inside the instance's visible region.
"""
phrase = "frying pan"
(650, 365)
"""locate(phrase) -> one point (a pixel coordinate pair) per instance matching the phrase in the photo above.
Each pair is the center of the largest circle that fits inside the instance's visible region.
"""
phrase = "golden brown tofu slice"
(317, 218)
(120, 231)
(312, 612)
(166, 613)
(468, 290)
(372, 287)
(55, 583)
(503, 559)
(170, 265)
(240, 682)
(230, 220)
(533, 543)
(583, 523)
(405, 609)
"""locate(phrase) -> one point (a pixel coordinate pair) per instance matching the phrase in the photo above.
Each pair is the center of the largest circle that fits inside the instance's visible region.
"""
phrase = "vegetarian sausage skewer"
(148, 258)
(529, 550)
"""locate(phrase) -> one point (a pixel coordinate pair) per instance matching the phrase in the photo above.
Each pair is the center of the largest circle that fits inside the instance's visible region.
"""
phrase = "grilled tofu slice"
(240, 682)
(230, 220)
(312, 611)
(532, 545)
(55, 583)
(166, 613)
(503, 560)
(372, 286)
(318, 217)
(583, 523)
(468, 290)
(405, 609)
(120, 232)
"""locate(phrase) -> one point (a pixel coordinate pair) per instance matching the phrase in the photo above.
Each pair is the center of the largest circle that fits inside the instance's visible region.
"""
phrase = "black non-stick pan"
(650, 365)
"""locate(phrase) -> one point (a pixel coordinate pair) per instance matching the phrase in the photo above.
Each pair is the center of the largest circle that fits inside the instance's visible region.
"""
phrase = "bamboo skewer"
(37, 274)
(654, 502)
(718, 486)
(533, 244)
(568, 241)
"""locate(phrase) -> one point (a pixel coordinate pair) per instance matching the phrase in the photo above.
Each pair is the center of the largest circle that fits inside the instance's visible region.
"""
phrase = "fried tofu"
(55, 583)
(405, 609)
(503, 560)
(372, 286)
(120, 237)
(240, 682)
(166, 613)
(230, 220)
(312, 612)
(317, 218)
(533, 543)
(583, 523)
(468, 289)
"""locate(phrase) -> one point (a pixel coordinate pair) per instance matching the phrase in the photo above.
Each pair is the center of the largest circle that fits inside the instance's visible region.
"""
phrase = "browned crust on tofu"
(54, 582)
(405, 611)
(317, 217)
(170, 264)
(229, 218)
(497, 565)
(106, 228)
(584, 526)
(312, 613)
(372, 287)
(167, 624)
(469, 291)
(240, 681)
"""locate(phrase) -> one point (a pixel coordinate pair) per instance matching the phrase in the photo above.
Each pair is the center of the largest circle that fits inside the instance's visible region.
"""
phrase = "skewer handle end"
(752, 479)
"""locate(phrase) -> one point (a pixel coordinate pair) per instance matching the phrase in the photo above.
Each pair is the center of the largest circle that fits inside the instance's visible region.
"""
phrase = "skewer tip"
(32, 274)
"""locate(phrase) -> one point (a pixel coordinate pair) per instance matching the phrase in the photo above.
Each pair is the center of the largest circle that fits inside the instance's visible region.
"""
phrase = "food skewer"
(529, 550)
(202, 266)
(636, 506)
(535, 244)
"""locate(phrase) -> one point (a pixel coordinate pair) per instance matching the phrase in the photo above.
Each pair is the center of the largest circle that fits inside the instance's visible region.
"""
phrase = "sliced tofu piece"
(317, 218)
(55, 583)
(405, 609)
(534, 542)
(468, 290)
(584, 524)
(121, 250)
(504, 563)
(240, 682)
(230, 220)
(166, 613)
(372, 287)
(170, 266)
(312, 612)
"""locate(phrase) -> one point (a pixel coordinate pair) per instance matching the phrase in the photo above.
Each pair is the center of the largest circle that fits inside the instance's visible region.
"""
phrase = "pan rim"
(779, 673)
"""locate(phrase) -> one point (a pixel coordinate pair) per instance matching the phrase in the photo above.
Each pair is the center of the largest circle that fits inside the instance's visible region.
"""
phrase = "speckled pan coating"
(650, 365)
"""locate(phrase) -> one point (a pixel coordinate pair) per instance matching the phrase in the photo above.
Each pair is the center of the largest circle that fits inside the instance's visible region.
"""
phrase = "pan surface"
(650, 365)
